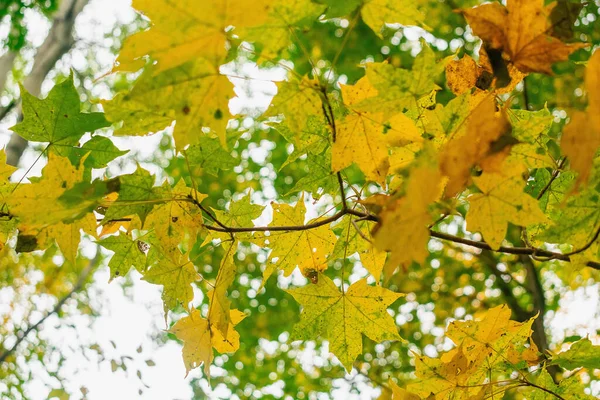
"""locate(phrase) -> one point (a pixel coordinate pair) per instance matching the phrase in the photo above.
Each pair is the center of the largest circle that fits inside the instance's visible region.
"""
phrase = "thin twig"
(555, 174)
(342, 192)
(5, 110)
(528, 251)
(543, 389)
(509, 250)
(78, 286)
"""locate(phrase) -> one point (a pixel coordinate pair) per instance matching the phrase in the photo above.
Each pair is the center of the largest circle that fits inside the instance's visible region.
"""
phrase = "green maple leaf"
(240, 214)
(577, 222)
(99, 150)
(128, 253)
(57, 119)
(137, 195)
(174, 271)
(210, 156)
(568, 388)
(343, 317)
(399, 88)
(320, 179)
(582, 353)
(352, 241)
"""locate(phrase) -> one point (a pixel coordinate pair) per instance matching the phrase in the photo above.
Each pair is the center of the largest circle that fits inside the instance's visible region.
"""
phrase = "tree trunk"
(58, 42)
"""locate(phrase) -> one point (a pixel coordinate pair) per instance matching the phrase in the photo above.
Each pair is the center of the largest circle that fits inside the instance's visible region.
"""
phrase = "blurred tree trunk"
(6, 63)
(58, 42)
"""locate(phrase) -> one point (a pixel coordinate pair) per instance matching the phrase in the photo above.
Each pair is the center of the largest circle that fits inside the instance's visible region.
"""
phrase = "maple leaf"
(29, 203)
(182, 31)
(465, 74)
(208, 155)
(486, 347)
(57, 119)
(399, 89)
(463, 150)
(399, 393)
(447, 377)
(137, 195)
(219, 310)
(361, 138)
(520, 30)
(240, 214)
(95, 153)
(582, 353)
(581, 138)
(200, 337)
(568, 388)
(127, 253)
(279, 21)
(353, 239)
(297, 101)
(376, 13)
(7, 224)
(194, 94)
(494, 339)
(408, 218)
(462, 75)
(313, 139)
(174, 271)
(178, 218)
(320, 179)
(575, 222)
(306, 249)
(343, 317)
(502, 200)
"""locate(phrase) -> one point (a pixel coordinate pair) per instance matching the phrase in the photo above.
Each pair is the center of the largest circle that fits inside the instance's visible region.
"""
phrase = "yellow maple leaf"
(399, 393)
(376, 13)
(174, 220)
(7, 223)
(581, 137)
(494, 339)
(363, 137)
(487, 347)
(194, 94)
(464, 74)
(343, 317)
(183, 30)
(5, 170)
(408, 218)
(66, 235)
(296, 100)
(305, 249)
(199, 338)
(447, 377)
(29, 203)
(219, 308)
(466, 149)
(502, 201)
(521, 30)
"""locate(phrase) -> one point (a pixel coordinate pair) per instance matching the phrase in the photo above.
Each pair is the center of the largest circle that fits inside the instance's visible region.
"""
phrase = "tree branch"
(528, 251)
(490, 261)
(555, 174)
